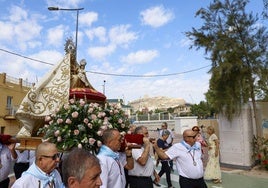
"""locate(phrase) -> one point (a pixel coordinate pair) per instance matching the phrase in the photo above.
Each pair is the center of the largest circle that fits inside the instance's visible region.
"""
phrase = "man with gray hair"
(140, 175)
(81, 169)
(112, 163)
(163, 145)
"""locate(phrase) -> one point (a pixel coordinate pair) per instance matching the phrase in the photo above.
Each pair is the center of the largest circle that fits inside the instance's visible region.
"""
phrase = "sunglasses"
(53, 157)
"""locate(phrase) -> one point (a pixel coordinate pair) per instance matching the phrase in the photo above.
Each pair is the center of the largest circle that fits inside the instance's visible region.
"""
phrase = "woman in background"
(200, 139)
(213, 171)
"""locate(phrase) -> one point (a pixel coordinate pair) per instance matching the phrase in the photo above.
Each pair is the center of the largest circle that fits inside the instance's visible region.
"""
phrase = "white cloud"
(55, 35)
(23, 32)
(99, 53)
(34, 44)
(17, 14)
(6, 31)
(140, 57)
(120, 35)
(156, 16)
(51, 57)
(99, 32)
(19, 28)
(88, 18)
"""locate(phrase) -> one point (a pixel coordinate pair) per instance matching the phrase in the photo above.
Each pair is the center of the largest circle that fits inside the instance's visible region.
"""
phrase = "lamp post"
(77, 14)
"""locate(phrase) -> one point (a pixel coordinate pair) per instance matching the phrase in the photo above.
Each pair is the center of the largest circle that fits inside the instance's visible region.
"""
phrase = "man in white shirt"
(140, 175)
(7, 155)
(187, 155)
(22, 163)
(42, 173)
(112, 165)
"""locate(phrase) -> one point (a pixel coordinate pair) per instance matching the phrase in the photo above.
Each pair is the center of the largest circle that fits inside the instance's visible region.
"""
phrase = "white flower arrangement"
(81, 124)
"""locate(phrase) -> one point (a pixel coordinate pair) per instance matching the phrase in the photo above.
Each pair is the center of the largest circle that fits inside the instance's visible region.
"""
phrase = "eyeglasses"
(53, 157)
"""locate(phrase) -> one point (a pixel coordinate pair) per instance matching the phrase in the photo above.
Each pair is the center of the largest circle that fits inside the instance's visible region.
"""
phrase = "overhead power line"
(112, 74)
(156, 75)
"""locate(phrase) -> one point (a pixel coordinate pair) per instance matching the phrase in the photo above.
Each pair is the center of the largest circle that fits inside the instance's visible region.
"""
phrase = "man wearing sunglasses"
(187, 155)
(42, 173)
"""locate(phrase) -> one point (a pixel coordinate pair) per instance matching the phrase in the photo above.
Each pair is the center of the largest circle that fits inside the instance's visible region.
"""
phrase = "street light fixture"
(104, 81)
(77, 14)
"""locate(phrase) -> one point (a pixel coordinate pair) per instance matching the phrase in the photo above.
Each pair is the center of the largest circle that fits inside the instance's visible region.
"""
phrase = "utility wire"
(111, 74)
(156, 75)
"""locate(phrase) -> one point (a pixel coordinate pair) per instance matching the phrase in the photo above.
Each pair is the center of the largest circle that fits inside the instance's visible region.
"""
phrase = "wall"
(236, 136)
(154, 125)
(13, 87)
(182, 123)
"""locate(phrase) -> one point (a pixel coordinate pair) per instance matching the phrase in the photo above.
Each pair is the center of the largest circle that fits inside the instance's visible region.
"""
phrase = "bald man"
(187, 155)
(42, 173)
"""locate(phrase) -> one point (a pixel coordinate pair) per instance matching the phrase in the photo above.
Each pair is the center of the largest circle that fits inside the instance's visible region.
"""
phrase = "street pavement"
(231, 178)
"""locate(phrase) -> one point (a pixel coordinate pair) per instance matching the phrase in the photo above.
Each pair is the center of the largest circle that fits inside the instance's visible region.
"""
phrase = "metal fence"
(152, 117)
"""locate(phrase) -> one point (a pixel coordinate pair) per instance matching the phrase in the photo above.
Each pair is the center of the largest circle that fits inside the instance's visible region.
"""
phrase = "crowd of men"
(131, 167)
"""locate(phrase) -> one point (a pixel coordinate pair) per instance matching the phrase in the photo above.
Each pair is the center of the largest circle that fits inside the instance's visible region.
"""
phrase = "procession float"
(65, 109)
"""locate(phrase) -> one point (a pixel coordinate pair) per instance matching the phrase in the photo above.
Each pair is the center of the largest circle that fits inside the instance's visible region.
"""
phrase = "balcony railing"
(10, 112)
(17, 81)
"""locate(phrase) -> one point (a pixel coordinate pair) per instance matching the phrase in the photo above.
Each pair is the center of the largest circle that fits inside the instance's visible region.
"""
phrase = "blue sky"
(121, 37)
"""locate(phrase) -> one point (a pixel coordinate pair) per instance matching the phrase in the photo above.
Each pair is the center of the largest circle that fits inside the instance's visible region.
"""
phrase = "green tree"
(170, 110)
(202, 110)
(236, 43)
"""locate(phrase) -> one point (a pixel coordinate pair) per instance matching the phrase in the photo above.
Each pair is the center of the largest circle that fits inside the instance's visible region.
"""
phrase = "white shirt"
(32, 157)
(184, 160)
(139, 170)
(170, 137)
(30, 181)
(6, 162)
(23, 156)
(112, 172)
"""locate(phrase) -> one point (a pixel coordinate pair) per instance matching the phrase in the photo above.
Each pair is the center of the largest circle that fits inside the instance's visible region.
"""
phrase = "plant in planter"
(81, 124)
(260, 151)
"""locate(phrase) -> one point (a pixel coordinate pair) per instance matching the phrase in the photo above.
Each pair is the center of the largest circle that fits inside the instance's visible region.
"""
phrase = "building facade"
(12, 91)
